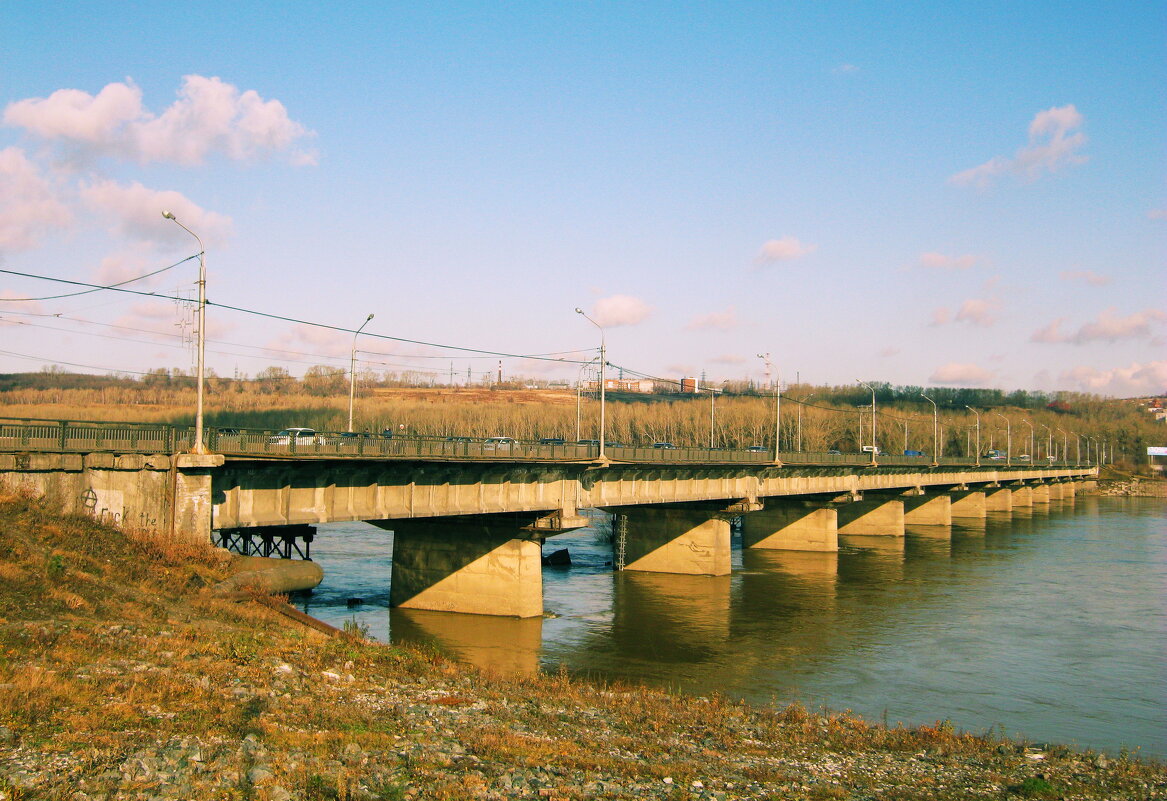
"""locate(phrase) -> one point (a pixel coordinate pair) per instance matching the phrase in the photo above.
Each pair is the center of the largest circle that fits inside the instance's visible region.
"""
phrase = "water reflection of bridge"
(782, 615)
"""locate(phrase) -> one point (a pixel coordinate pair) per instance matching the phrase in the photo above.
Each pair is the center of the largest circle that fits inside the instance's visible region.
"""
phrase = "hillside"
(122, 675)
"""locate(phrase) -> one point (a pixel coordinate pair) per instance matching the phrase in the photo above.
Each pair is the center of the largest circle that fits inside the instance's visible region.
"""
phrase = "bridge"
(470, 517)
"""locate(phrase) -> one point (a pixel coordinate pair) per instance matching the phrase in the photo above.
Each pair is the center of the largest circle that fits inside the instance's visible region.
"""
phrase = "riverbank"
(122, 675)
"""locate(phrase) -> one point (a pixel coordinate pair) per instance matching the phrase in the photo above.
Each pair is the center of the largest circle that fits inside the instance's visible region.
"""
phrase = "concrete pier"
(472, 565)
(928, 510)
(792, 526)
(879, 518)
(664, 540)
(969, 504)
(999, 499)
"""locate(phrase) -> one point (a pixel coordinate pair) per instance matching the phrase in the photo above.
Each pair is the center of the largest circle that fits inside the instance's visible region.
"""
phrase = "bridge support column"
(1022, 497)
(969, 504)
(999, 499)
(1041, 494)
(192, 496)
(676, 541)
(877, 518)
(792, 526)
(465, 565)
(928, 510)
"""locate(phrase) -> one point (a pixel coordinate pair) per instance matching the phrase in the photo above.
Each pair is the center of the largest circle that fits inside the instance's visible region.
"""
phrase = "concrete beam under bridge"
(927, 510)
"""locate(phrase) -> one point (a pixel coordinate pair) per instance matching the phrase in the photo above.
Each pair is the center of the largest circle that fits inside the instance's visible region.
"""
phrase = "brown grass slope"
(121, 676)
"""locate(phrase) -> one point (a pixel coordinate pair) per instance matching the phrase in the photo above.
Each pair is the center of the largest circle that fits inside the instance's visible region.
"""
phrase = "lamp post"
(978, 414)
(1077, 449)
(352, 373)
(578, 388)
(603, 360)
(935, 430)
(1049, 440)
(199, 447)
(1065, 446)
(777, 405)
(873, 446)
(801, 403)
(1031, 456)
(1008, 439)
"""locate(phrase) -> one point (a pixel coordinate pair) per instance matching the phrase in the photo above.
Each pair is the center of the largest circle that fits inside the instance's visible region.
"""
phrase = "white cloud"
(728, 358)
(136, 212)
(1137, 379)
(717, 321)
(1051, 333)
(1086, 276)
(209, 116)
(888, 352)
(1157, 214)
(941, 316)
(29, 204)
(1111, 328)
(960, 374)
(939, 261)
(1054, 142)
(977, 311)
(784, 249)
(620, 310)
(310, 341)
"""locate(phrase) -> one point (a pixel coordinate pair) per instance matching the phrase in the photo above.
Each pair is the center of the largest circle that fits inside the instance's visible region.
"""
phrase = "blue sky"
(965, 194)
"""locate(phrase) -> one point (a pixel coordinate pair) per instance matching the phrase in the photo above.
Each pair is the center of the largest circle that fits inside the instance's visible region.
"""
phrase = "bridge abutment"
(791, 525)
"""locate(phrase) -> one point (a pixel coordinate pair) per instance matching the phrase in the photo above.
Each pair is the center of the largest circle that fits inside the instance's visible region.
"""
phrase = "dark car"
(551, 441)
(758, 449)
(834, 452)
(664, 446)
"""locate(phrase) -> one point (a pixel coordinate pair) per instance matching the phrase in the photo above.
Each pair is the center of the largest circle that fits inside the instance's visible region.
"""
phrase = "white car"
(302, 436)
(499, 443)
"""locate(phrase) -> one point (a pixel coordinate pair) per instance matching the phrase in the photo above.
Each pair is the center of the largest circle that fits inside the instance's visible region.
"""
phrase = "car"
(758, 449)
(301, 436)
(459, 439)
(551, 441)
(664, 446)
(1023, 457)
(595, 442)
(872, 448)
(834, 452)
(499, 443)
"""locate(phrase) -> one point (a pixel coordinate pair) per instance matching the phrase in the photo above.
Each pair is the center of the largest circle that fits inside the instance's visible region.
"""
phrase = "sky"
(959, 194)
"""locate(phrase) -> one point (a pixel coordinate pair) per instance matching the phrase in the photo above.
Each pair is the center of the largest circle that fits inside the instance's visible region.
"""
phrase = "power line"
(95, 287)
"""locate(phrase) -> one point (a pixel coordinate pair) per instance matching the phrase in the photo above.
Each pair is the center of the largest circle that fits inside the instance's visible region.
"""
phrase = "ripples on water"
(1048, 625)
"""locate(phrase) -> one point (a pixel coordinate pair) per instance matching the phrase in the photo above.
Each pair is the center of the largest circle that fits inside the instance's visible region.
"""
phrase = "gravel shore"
(122, 676)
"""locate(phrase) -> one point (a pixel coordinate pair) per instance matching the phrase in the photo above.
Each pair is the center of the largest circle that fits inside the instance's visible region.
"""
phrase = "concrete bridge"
(469, 527)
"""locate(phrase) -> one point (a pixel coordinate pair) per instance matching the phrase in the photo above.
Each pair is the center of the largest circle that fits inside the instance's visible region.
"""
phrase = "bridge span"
(469, 525)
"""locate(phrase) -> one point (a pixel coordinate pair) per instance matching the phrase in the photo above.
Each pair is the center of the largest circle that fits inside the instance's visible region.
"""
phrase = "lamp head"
(578, 310)
(168, 215)
(370, 317)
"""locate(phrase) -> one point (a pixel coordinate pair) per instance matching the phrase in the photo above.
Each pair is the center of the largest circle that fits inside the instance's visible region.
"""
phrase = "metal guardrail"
(23, 435)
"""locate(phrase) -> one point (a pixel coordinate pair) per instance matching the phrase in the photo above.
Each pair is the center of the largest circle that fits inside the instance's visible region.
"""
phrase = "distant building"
(690, 386)
(640, 385)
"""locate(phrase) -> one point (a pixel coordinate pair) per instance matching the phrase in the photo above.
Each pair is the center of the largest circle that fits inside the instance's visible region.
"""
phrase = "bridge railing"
(29, 435)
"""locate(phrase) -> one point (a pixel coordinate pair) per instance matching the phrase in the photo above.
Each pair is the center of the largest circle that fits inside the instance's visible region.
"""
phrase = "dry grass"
(110, 643)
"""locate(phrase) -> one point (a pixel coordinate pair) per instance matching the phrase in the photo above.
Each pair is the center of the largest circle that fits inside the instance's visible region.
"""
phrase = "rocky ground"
(122, 676)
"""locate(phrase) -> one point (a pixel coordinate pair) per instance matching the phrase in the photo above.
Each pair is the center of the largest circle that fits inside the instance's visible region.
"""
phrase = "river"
(1049, 626)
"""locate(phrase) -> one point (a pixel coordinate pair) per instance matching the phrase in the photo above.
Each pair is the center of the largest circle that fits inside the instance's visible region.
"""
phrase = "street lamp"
(1065, 446)
(935, 430)
(873, 446)
(1049, 440)
(1077, 449)
(978, 414)
(199, 447)
(578, 388)
(603, 361)
(801, 403)
(1032, 457)
(352, 373)
(777, 404)
(1009, 439)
